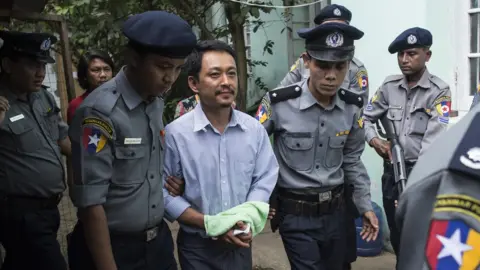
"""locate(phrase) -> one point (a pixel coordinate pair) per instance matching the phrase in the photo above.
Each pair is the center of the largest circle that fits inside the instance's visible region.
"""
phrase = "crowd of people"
(214, 169)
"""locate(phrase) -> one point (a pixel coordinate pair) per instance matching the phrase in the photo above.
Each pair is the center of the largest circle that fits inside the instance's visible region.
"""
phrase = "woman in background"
(94, 68)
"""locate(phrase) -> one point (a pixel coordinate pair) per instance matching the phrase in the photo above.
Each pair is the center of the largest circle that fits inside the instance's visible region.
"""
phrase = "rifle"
(398, 157)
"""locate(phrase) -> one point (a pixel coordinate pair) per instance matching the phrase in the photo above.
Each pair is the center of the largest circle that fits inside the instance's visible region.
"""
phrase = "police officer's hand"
(271, 213)
(382, 147)
(175, 186)
(4, 107)
(370, 226)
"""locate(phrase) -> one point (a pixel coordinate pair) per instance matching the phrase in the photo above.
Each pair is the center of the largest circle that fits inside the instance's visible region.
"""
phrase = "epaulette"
(285, 93)
(438, 82)
(466, 158)
(106, 98)
(392, 78)
(351, 98)
(357, 62)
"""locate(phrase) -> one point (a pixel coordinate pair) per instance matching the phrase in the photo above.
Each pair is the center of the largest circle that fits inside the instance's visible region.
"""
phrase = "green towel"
(253, 213)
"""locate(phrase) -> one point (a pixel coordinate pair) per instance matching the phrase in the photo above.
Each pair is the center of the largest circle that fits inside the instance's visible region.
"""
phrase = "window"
(474, 53)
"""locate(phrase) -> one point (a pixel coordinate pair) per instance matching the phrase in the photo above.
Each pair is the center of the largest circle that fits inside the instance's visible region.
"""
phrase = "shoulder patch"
(466, 158)
(452, 244)
(357, 62)
(285, 93)
(443, 105)
(438, 82)
(351, 98)
(392, 78)
(264, 111)
(362, 78)
(100, 124)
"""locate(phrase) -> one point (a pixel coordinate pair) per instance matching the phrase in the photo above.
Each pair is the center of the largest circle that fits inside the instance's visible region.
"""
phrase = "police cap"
(333, 12)
(160, 32)
(35, 45)
(415, 37)
(331, 42)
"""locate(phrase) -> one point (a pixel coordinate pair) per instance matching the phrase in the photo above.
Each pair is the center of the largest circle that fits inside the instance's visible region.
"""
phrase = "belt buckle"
(325, 196)
(151, 234)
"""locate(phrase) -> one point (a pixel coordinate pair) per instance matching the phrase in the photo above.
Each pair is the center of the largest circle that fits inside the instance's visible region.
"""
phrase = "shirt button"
(153, 206)
(132, 154)
(318, 166)
(153, 148)
(322, 124)
(320, 145)
(223, 182)
(152, 176)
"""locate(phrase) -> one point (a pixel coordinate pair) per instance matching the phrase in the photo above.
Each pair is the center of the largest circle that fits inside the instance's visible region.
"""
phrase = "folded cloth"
(253, 213)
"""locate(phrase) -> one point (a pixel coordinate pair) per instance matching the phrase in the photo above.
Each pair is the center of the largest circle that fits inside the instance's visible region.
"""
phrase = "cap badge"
(334, 40)
(45, 46)
(337, 12)
(412, 39)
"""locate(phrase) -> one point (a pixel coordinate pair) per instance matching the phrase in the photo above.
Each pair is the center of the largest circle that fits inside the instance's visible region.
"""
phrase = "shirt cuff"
(364, 205)
(369, 135)
(85, 196)
(176, 207)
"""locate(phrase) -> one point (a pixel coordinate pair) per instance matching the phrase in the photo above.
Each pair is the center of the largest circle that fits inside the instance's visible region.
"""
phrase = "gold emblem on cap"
(334, 40)
(45, 46)
(412, 39)
(337, 12)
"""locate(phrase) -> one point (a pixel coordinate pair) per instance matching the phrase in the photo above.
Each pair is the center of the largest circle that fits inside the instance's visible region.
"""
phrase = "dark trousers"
(29, 237)
(131, 251)
(315, 242)
(390, 194)
(198, 253)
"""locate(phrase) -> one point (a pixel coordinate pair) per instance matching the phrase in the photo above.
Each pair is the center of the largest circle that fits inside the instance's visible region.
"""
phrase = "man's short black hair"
(85, 59)
(194, 60)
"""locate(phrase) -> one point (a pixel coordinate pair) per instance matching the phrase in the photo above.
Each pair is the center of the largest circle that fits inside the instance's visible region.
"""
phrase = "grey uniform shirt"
(419, 114)
(30, 157)
(117, 148)
(317, 148)
(356, 79)
(439, 211)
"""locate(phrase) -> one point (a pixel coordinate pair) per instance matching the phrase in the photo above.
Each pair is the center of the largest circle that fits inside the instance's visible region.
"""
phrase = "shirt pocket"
(298, 150)
(130, 165)
(419, 121)
(334, 155)
(395, 113)
(51, 118)
(25, 137)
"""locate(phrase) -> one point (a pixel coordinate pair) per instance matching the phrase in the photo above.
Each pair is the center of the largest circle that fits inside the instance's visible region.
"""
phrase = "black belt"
(147, 235)
(27, 203)
(311, 204)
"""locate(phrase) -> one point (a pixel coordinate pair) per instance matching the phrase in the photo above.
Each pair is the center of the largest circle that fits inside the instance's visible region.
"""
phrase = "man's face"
(158, 73)
(217, 80)
(413, 60)
(326, 77)
(98, 72)
(26, 73)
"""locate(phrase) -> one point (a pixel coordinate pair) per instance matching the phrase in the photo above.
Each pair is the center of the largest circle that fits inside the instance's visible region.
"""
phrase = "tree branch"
(182, 4)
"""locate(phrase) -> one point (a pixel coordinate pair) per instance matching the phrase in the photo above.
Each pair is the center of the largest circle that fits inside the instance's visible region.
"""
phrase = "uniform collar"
(307, 100)
(200, 120)
(424, 81)
(130, 96)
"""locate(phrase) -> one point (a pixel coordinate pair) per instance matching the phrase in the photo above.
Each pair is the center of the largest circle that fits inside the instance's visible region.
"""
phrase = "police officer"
(117, 139)
(439, 210)
(417, 102)
(32, 140)
(318, 143)
(357, 76)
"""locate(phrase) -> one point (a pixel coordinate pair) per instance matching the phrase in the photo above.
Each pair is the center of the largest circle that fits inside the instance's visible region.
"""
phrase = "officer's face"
(413, 60)
(26, 74)
(326, 77)
(158, 73)
(217, 80)
(98, 72)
